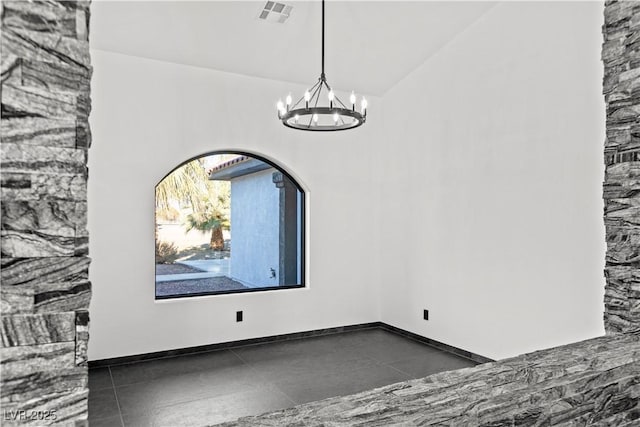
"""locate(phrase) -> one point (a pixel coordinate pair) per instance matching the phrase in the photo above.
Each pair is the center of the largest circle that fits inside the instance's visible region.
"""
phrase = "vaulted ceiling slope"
(370, 45)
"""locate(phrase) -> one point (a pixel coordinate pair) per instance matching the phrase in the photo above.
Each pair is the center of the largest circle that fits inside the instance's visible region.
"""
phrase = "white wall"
(495, 172)
(148, 117)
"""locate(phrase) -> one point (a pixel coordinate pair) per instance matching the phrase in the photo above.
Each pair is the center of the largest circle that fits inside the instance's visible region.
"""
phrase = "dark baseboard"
(287, 337)
(230, 344)
(437, 344)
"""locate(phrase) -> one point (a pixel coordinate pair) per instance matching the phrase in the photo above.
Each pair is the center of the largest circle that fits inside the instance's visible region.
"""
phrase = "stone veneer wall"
(46, 73)
(621, 57)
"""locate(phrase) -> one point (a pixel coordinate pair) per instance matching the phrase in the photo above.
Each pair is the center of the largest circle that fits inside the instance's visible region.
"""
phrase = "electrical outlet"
(425, 314)
(238, 316)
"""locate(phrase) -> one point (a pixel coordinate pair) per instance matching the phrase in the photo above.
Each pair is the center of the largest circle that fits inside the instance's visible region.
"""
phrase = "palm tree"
(186, 184)
(214, 217)
(189, 185)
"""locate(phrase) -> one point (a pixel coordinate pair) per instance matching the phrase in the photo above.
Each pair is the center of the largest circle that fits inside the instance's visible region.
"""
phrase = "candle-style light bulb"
(335, 117)
(315, 118)
(289, 100)
(352, 98)
(331, 95)
(307, 98)
(280, 105)
(363, 104)
(296, 118)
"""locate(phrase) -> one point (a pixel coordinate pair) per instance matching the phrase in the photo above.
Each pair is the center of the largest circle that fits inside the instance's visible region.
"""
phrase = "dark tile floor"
(207, 388)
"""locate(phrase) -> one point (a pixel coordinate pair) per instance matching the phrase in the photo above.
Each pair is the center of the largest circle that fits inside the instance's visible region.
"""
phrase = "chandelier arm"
(314, 90)
(302, 97)
(318, 91)
(318, 87)
(297, 102)
(342, 119)
(315, 86)
(343, 106)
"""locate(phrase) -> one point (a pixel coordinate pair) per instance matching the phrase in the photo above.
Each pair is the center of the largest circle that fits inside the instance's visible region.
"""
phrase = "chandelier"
(322, 113)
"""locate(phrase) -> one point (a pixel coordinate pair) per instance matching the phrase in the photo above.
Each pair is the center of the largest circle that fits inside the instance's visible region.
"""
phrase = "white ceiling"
(369, 45)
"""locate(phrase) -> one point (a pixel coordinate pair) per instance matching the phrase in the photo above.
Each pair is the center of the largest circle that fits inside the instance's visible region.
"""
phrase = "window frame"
(302, 254)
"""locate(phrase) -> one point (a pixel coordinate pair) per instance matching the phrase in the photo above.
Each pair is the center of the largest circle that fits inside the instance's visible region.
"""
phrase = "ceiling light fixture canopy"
(322, 113)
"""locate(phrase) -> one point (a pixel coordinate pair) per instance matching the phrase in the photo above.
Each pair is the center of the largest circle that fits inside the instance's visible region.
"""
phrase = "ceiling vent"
(275, 12)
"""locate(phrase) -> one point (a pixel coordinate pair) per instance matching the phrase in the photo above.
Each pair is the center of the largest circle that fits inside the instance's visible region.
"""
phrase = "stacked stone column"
(621, 57)
(45, 293)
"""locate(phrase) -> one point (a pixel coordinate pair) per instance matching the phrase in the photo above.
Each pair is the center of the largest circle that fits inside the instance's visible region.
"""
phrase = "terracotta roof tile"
(228, 163)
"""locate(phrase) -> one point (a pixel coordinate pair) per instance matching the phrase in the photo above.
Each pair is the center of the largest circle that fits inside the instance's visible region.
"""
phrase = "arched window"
(228, 222)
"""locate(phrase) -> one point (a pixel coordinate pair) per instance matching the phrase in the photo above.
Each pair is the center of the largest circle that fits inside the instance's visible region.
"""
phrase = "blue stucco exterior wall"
(255, 229)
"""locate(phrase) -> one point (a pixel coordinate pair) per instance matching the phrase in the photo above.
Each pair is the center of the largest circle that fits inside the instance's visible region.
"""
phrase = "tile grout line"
(115, 393)
(263, 378)
(411, 377)
(293, 402)
(181, 402)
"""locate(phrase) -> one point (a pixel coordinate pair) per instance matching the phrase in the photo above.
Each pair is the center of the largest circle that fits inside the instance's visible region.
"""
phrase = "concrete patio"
(209, 268)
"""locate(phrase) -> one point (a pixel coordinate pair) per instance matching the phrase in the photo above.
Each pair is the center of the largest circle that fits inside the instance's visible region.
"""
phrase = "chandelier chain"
(322, 76)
